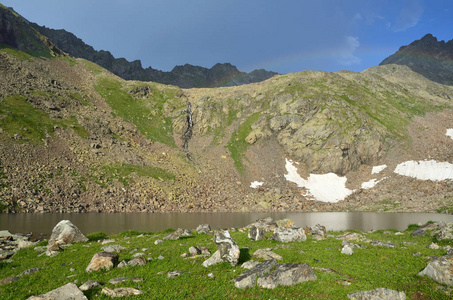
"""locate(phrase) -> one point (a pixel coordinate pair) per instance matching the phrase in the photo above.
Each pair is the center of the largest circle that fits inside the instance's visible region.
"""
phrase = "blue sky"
(281, 35)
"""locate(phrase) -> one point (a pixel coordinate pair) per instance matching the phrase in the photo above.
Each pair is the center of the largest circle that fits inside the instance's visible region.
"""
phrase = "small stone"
(211, 275)
(138, 254)
(137, 261)
(122, 264)
(203, 229)
(29, 271)
(380, 293)
(8, 280)
(213, 260)
(176, 273)
(256, 234)
(113, 248)
(418, 232)
(249, 264)
(433, 246)
(121, 292)
(194, 251)
(90, 284)
(157, 242)
(266, 254)
(107, 241)
(102, 260)
(287, 274)
(161, 257)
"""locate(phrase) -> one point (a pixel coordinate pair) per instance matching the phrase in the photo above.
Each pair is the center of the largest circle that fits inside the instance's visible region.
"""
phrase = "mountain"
(186, 76)
(74, 137)
(428, 57)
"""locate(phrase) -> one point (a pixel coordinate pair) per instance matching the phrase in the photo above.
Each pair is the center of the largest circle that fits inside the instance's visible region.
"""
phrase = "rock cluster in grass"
(11, 243)
(268, 273)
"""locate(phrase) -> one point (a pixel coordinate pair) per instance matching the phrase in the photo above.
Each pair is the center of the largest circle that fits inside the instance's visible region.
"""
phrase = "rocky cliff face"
(186, 76)
(428, 57)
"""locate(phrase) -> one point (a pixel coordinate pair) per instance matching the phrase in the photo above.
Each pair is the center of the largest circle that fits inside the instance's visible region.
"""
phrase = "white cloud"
(409, 15)
(346, 51)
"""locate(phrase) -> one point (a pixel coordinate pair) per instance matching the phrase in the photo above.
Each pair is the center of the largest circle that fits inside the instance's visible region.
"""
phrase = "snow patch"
(371, 183)
(426, 170)
(256, 184)
(323, 187)
(450, 133)
(378, 169)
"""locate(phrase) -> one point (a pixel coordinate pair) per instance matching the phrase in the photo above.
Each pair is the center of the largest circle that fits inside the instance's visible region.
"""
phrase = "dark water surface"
(115, 223)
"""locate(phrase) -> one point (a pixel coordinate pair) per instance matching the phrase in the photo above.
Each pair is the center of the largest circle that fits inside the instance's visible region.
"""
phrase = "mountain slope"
(186, 76)
(427, 56)
(76, 138)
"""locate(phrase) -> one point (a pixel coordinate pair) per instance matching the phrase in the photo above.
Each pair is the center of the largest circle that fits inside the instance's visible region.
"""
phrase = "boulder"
(203, 228)
(287, 274)
(347, 250)
(229, 250)
(137, 261)
(62, 234)
(102, 260)
(249, 278)
(256, 234)
(264, 223)
(175, 235)
(284, 223)
(291, 234)
(121, 292)
(266, 254)
(440, 270)
(378, 294)
(318, 230)
(213, 260)
(176, 273)
(67, 292)
(444, 234)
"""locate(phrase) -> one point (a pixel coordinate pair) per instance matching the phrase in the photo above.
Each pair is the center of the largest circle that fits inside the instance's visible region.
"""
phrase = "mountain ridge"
(427, 56)
(184, 76)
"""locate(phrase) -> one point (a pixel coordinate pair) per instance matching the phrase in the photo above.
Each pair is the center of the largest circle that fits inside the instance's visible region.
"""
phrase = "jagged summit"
(428, 57)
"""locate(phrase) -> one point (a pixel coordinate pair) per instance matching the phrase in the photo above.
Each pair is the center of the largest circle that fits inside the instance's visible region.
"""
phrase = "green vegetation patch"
(146, 113)
(237, 144)
(21, 120)
(337, 274)
(121, 172)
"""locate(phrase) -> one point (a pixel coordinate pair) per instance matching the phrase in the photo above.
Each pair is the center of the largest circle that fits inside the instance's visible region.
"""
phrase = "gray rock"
(175, 235)
(444, 234)
(351, 236)
(194, 251)
(440, 270)
(122, 279)
(121, 292)
(229, 250)
(266, 254)
(122, 264)
(287, 274)
(102, 260)
(64, 233)
(249, 264)
(264, 223)
(378, 294)
(203, 228)
(352, 245)
(29, 271)
(157, 242)
(347, 250)
(176, 273)
(318, 230)
(107, 241)
(256, 234)
(418, 232)
(161, 257)
(8, 280)
(113, 248)
(137, 261)
(89, 285)
(213, 260)
(67, 292)
(291, 234)
(249, 278)
(382, 244)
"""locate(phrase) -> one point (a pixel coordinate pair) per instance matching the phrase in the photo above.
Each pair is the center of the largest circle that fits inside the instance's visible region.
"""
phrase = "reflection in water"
(115, 223)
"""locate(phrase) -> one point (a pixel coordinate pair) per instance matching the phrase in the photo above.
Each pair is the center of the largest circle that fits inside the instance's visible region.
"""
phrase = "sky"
(281, 35)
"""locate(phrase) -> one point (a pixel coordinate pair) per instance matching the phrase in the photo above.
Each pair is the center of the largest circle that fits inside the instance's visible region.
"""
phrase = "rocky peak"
(428, 57)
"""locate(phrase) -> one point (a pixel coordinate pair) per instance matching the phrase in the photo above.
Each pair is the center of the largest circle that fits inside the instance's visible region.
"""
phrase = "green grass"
(146, 114)
(121, 172)
(237, 144)
(18, 116)
(367, 269)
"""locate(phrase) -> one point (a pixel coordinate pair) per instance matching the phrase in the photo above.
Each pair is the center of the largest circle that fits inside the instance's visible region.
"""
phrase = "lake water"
(115, 223)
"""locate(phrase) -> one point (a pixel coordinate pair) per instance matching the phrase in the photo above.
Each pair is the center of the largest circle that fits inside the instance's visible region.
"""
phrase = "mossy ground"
(367, 269)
